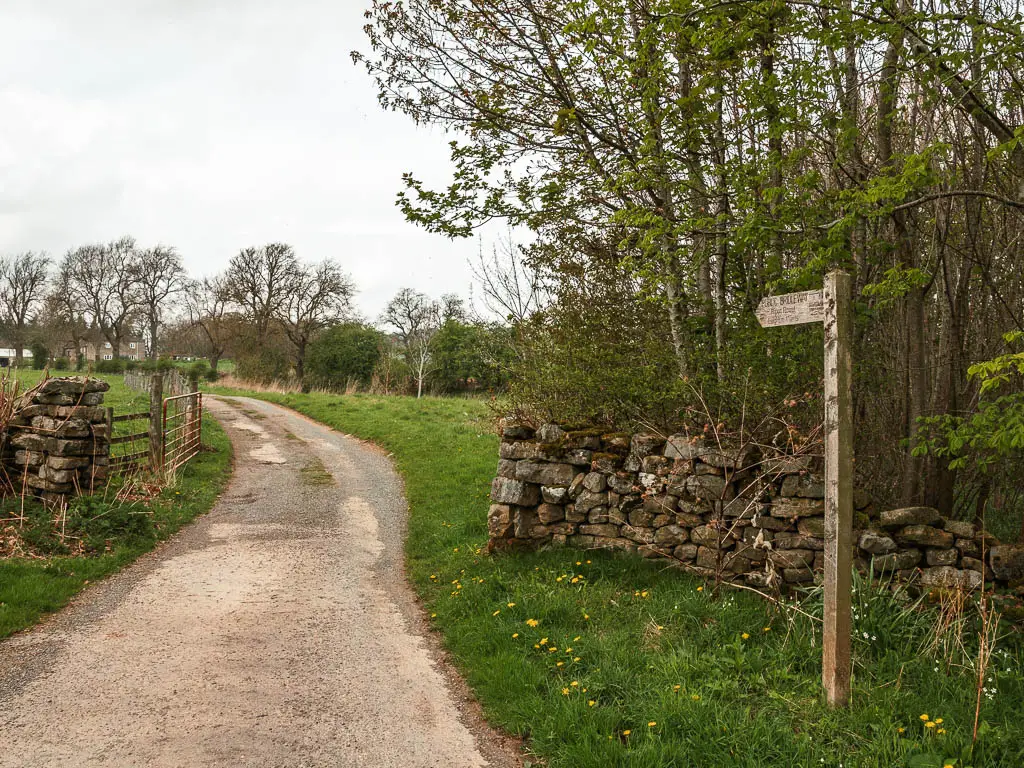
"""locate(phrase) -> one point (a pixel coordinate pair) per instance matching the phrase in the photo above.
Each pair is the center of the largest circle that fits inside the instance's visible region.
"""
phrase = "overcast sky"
(212, 125)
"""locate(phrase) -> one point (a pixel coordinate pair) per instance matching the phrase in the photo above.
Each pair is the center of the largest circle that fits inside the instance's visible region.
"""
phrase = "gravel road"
(278, 630)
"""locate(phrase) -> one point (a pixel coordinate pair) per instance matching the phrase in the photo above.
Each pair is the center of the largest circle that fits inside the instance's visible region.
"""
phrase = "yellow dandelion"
(652, 723)
(543, 641)
(576, 639)
(433, 615)
(938, 721)
(552, 649)
(588, 562)
(532, 622)
(574, 684)
(643, 594)
(560, 664)
(900, 730)
(695, 697)
(676, 687)
(568, 650)
(575, 580)
(626, 732)
(578, 563)
(575, 658)
(536, 646)
(745, 636)
(941, 731)
(496, 612)
(515, 635)
(586, 617)
(591, 703)
(510, 605)
(700, 589)
(924, 717)
(565, 691)
(929, 725)
(767, 629)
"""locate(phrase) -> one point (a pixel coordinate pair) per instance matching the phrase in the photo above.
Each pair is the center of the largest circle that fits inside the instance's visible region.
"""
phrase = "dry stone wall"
(733, 511)
(58, 441)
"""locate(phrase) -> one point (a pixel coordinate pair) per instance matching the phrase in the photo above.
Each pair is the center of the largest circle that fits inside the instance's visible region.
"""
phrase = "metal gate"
(182, 430)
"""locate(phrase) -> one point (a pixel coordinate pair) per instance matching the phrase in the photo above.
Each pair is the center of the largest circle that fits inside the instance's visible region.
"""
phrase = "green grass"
(315, 473)
(30, 588)
(648, 644)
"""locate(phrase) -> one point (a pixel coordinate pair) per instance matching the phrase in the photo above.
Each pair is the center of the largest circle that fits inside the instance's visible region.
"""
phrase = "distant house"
(94, 347)
(9, 354)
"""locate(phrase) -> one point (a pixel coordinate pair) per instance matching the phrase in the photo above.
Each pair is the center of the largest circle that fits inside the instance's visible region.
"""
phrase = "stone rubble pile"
(57, 442)
(715, 509)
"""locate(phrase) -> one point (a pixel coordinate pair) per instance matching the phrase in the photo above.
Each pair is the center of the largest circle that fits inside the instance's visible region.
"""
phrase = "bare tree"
(207, 303)
(160, 275)
(260, 280)
(417, 320)
(62, 311)
(511, 289)
(319, 297)
(103, 282)
(22, 290)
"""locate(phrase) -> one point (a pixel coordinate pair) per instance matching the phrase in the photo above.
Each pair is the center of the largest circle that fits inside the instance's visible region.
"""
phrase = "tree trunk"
(154, 324)
(916, 391)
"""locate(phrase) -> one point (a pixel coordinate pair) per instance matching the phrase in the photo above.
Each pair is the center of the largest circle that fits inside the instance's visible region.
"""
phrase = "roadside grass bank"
(603, 660)
(53, 556)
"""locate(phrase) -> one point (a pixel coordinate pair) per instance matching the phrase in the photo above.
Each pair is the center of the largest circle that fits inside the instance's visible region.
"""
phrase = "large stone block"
(506, 491)
(945, 576)
(685, 552)
(712, 537)
(803, 487)
(899, 518)
(73, 385)
(792, 558)
(897, 561)
(799, 541)
(30, 441)
(960, 528)
(524, 521)
(682, 446)
(671, 536)
(937, 557)
(507, 468)
(605, 530)
(550, 433)
(518, 450)
(1007, 561)
(544, 473)
(796, 507)
(513, 429)
(554, 495)
(550, 513)
(811, 526)
(709, 487)
(925, 536)
(499, 521)
(622, 482)
(596, 482)
(587, 500)
(876, 543)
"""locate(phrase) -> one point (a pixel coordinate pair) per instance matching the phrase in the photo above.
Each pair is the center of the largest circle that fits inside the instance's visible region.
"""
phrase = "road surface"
(277, 630)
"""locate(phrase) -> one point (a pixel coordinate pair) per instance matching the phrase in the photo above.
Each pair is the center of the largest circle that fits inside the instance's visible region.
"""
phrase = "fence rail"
(175, 425)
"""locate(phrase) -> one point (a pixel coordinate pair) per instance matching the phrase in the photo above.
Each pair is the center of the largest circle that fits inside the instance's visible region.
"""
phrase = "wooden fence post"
(835, 671)
(156, 422)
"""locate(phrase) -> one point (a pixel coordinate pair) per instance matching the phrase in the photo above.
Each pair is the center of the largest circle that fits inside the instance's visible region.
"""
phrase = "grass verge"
(32, 587)
(605, 660)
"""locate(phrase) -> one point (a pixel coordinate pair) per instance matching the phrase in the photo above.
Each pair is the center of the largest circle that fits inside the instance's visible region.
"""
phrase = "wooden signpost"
(831, 305)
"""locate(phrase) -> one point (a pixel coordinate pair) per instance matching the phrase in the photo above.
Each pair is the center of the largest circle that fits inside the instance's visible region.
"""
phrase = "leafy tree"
(342, 354)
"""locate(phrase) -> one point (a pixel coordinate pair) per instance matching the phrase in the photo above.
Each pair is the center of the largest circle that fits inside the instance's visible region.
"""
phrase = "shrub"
(40, 355)
(342, 354)
(198, 370)
(62, 364)
(212, 375)
(116, 365)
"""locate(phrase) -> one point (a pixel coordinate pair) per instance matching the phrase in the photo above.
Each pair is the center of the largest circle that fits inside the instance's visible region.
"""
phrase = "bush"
(40, 355)
(116, 365)
(342, 354)
(198, 370)
(62, 364)
(80, 362)
(212, 375)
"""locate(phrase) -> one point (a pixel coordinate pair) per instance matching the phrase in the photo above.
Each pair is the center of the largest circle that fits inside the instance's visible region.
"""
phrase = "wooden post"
(836, 670)
(156, 422)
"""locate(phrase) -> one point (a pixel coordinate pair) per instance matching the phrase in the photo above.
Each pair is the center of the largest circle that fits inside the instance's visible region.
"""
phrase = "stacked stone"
(716, 509)
(58, 441)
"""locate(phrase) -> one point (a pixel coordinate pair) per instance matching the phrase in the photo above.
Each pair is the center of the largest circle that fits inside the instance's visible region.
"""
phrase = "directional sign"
(791, 309)
(831, 306)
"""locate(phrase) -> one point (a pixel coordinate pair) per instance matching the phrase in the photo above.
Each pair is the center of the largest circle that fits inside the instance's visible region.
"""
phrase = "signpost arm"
(836, 668)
